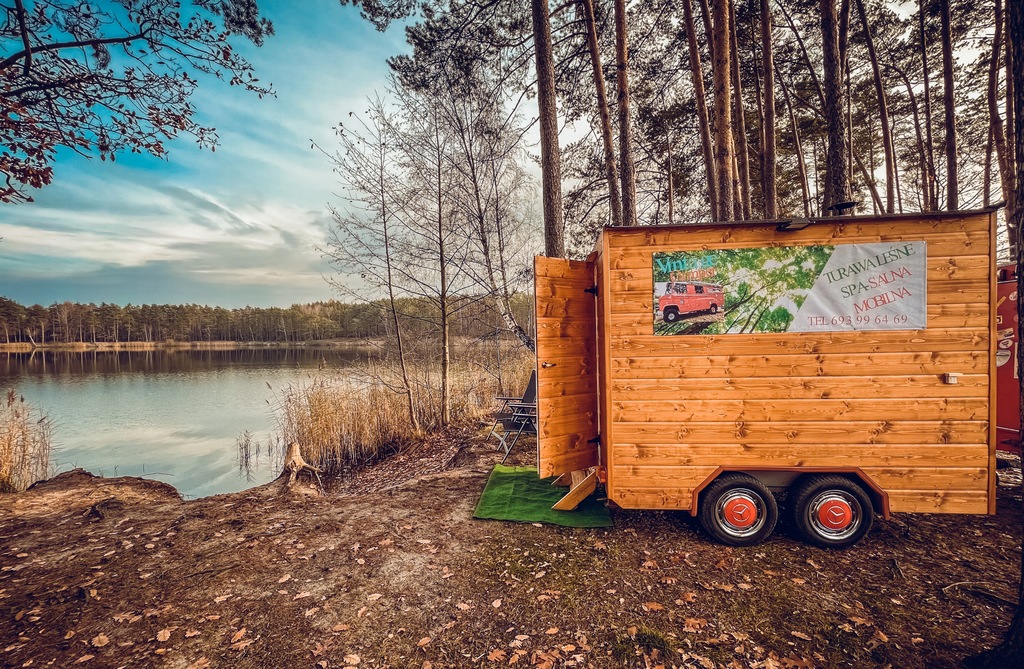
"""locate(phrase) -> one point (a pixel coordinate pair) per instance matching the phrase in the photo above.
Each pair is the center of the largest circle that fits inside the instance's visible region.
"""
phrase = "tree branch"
(57, 46)
(19, 7)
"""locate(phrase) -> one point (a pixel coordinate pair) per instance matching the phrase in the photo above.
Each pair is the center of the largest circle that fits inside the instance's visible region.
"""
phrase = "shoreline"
(74, 347)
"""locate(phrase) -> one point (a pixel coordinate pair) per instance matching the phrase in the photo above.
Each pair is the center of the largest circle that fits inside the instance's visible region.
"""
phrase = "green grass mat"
(515, 493)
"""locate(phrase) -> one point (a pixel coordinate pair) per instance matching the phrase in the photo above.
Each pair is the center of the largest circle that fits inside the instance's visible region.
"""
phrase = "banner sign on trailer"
(791, 289)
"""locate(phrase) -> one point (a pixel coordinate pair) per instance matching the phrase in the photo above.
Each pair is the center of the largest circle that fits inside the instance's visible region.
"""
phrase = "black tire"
(830, 511)
(714, 308)
(726, 507)
(671, 315)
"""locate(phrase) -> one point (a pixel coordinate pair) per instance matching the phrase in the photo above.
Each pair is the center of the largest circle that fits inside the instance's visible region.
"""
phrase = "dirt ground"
(390, 570)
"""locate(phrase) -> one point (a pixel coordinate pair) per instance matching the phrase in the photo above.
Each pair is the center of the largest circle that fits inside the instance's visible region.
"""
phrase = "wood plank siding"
(676, 408)
(567, 374)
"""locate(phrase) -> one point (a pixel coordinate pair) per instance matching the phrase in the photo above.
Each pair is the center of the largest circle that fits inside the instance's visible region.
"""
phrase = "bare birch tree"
(363, 242)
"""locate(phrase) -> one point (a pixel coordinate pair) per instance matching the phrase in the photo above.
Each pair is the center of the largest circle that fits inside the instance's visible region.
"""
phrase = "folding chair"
(522, 420)
(505, 411)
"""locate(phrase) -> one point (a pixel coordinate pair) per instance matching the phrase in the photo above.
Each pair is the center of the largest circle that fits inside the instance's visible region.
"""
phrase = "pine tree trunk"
(668, 172)
(837, 179)
(922, 157)
(801, 164)
(739, 122)
(883, 113)
(932, 203)
(768, 156)
(626, 174)
(868, 177)
(949, 107)
(723, 108)
(611, 171)
(986, 172)
(997, 137)
(703, 122)
(811, 70)
(550, 156)
(1010, 122)
(705, 16)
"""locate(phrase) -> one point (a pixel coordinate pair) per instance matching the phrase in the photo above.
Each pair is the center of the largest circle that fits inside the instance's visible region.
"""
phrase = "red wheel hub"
(835, 514)
(740, 512)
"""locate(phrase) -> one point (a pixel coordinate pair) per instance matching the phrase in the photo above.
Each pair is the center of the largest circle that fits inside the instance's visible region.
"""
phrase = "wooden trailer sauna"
(849, 365)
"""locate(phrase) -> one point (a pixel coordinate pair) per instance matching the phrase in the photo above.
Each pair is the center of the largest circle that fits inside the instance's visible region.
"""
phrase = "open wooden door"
(567, 368)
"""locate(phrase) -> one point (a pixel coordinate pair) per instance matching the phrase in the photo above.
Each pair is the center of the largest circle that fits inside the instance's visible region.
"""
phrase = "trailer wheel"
(714, 308)
(830, 511)
(671, 315)
(738, 510)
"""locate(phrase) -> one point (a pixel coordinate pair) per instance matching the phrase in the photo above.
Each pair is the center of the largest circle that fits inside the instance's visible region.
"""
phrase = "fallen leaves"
(99, 641)
(694, 624)
(163, 635)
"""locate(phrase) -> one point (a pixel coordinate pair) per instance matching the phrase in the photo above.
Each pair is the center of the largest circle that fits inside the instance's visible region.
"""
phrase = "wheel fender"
(768, 475)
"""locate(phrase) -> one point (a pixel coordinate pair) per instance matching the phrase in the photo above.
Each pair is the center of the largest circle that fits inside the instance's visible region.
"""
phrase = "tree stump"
(295, 465)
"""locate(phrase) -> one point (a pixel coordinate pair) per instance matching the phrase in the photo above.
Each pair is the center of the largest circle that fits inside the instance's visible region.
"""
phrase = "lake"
(170, 415)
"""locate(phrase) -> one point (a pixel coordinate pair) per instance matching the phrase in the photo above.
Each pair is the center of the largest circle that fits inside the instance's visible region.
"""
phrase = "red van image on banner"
(688, 297)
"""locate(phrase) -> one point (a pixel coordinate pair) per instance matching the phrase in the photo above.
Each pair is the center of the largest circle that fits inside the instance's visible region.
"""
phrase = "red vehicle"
(1007, 374)
(687, 297)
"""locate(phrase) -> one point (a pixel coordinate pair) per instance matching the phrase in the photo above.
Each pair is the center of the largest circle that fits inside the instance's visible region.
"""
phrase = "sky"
(238, 226)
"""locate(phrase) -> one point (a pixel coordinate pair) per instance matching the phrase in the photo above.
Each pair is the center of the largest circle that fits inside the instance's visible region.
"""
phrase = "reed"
(25, 444)
(350, 420)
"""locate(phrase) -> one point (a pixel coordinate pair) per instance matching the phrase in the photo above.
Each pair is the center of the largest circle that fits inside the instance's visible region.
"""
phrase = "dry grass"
(24, 444)
(352, 420)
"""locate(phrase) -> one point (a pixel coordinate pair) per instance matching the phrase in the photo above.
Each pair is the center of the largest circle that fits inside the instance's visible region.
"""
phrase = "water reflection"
(169, 415)
(97, 361)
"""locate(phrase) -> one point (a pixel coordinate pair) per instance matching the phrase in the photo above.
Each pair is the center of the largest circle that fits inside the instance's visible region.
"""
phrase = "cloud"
(237, 226)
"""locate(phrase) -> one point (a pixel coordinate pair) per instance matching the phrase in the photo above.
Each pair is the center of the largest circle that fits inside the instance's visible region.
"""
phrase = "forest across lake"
(92, 324)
